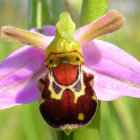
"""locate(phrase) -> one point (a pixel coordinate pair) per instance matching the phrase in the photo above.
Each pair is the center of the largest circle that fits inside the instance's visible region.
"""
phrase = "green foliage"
(120, 119)
(41, 12)
(93, 9)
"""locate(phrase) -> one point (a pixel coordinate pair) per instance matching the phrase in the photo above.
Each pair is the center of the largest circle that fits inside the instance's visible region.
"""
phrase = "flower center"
(65, 74)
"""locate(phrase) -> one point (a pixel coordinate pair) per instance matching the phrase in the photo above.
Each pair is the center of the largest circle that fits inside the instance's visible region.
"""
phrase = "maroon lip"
(64, 112)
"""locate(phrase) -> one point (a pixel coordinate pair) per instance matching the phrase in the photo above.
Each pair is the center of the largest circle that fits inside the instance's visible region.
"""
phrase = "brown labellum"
(68, 100)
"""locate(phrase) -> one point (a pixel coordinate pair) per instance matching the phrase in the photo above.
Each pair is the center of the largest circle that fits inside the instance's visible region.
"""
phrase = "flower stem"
(93, 9)
(38, 13)
(62, 136)
(41, 12)
(56, 9)
(91, 132)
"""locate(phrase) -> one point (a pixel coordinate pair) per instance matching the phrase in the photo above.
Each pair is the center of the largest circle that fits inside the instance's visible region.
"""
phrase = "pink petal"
(48, 30)
(18, 77)
(117, 72)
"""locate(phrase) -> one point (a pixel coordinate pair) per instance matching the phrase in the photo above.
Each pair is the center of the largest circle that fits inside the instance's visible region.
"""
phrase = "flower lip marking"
(71, 85)
(81, 116)
(65, 113)
(66, 74)
(56, 88)
(77, 87)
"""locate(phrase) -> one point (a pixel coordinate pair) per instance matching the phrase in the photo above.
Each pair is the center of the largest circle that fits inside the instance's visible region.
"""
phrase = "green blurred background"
(120, 119)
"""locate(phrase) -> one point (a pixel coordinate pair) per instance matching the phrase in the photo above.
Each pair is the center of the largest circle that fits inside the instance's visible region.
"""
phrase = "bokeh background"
(120, 119)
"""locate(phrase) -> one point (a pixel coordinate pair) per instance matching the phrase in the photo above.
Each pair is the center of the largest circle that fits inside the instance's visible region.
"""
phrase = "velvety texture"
(116, 72)
(18, 77)
(59, 113)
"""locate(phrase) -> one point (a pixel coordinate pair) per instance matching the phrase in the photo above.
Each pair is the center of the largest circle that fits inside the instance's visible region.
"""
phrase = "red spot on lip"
(65, 74)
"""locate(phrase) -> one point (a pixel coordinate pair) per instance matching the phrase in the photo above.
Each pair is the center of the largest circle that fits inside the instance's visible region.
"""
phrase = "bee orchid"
(67, 71)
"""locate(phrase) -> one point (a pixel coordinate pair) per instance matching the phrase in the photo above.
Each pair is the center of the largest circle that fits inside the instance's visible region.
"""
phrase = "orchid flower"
(115, 73)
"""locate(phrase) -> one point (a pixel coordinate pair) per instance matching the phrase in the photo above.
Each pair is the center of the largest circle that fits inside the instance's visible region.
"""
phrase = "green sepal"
(65, 28)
